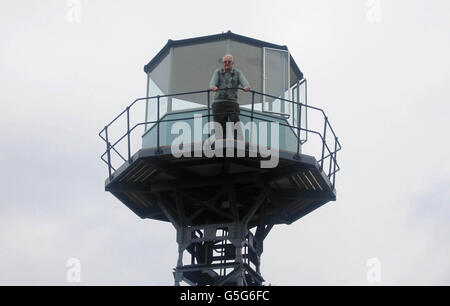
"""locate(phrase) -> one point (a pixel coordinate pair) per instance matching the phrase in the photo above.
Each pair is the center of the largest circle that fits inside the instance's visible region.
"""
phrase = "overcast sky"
(381, 75)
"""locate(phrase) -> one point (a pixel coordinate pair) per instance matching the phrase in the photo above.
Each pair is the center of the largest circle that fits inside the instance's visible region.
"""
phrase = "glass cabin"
(185, 66)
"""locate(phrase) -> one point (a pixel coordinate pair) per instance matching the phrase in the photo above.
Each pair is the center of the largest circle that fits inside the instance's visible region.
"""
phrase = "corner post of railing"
(253, 104)
(306, 109)
(324, 141)
(128, 134)
(209, 111)
(335, 159)
(108, 153)
(299, 122)
(157, 126)
(331, 163)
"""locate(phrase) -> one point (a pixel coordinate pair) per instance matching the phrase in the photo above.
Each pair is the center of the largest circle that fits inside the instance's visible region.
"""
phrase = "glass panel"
(192, 69)
(303, 113)
(299, 114)
(178, 104)
(294, 116)
(276, 80)
(248, 59)
(152, 104)
(293, 76)
(158, 85)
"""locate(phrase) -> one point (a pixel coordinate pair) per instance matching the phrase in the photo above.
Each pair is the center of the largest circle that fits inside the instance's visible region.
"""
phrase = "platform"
(210, 187)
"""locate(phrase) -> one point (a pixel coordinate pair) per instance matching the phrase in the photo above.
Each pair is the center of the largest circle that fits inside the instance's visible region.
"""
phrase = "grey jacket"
(223, 79)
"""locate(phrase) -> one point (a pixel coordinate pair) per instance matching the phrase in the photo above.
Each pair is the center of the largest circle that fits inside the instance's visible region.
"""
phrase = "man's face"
(227, 63)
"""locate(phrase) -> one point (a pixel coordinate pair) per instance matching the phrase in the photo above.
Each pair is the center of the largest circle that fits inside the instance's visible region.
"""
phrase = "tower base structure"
(222, 208)
(220, 254)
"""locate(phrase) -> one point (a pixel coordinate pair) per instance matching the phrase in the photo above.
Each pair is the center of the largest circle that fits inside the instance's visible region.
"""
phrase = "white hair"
(227, 55)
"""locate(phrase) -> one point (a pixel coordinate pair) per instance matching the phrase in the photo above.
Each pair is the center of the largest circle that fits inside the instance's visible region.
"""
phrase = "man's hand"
(215, 88)
(246, 88)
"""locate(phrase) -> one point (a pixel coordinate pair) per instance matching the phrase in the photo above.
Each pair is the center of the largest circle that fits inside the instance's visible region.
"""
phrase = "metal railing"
(326, 152)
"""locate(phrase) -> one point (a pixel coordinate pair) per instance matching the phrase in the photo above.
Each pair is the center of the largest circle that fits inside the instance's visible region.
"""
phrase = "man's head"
(227, 61)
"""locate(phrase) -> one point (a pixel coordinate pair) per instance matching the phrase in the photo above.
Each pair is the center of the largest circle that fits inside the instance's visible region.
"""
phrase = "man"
(225, 99)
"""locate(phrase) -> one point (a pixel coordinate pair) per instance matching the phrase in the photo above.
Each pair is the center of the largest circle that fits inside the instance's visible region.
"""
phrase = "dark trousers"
(226, 111)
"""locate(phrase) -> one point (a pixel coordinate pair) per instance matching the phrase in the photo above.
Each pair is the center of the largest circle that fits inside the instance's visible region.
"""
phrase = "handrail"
(332, 155)
(333, 164)
(209, 90)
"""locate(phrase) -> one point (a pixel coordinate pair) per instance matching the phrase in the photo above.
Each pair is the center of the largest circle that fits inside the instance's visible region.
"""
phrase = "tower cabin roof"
(214, 38)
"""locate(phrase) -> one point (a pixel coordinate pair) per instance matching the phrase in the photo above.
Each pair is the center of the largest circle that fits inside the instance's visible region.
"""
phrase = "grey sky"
(384, 86)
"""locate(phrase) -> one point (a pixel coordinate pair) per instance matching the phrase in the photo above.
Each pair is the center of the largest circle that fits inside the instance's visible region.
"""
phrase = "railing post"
(128, 134)
(108, 152)
(253, 104)
(293, 106)
(299, 118)
(331, 160)
(324, 141)
(329, 167)
(306, 109)
(157, 128)
(335, 159)
(209, 112)
(252, 146)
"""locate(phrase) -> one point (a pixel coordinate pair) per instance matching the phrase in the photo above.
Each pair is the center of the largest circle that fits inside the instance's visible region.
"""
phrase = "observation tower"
(222, 205)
